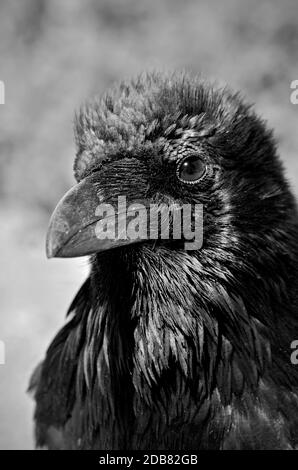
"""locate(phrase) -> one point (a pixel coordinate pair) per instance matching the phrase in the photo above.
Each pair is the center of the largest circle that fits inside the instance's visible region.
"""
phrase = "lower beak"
(73, 229)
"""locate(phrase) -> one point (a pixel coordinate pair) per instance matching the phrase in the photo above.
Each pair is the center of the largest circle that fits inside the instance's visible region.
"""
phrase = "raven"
(167, 348)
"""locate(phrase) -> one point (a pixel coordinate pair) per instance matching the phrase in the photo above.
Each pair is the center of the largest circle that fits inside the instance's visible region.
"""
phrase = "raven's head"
(177, 140)
(173, 140)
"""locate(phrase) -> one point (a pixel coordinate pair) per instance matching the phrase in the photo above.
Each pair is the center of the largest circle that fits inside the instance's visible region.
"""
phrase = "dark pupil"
(192, 169)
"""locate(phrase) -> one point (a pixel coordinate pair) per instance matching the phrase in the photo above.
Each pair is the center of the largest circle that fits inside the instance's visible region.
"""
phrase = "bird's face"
(170, 141)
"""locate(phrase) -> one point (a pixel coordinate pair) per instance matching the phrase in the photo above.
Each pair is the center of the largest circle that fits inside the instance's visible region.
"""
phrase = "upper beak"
(72, 230)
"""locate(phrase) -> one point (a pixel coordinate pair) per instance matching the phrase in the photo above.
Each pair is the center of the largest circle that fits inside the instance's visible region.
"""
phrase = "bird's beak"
(73, 229)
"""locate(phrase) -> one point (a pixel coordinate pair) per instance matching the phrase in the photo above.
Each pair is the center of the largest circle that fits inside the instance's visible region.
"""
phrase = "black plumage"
(166, 348)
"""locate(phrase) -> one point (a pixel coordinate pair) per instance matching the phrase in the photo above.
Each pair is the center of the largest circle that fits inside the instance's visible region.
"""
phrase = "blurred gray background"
(53, 56)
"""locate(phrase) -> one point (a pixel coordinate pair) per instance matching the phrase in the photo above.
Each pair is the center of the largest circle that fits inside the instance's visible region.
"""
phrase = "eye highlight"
(191, 169)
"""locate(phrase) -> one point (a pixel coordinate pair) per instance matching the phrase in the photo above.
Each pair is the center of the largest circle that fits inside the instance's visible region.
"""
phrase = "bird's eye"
(191, 169)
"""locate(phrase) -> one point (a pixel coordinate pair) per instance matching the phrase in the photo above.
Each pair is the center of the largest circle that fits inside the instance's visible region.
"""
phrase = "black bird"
(168, 348)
